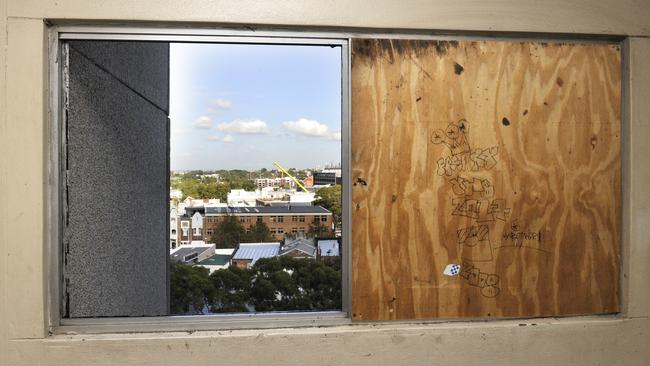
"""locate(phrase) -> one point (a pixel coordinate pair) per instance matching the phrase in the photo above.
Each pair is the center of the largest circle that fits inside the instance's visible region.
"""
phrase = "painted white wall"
(24, 167)
(197, 221)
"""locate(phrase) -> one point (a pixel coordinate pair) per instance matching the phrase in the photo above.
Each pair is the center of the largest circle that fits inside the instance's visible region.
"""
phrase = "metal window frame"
(56, 181)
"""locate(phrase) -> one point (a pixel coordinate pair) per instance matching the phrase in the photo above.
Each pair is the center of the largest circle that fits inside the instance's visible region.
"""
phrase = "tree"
(259, 233)
(190, 288)
(232, 290)
(228, 233)
(247, 185)
(330, 198)
(197, 185)
(318, 230)
(286, 283)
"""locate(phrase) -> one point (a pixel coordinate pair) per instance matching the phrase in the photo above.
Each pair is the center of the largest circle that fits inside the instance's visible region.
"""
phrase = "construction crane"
(284, 171)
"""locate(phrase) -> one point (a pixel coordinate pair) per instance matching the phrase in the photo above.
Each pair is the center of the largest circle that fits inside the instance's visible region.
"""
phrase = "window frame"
(58, 35)
(89, 30)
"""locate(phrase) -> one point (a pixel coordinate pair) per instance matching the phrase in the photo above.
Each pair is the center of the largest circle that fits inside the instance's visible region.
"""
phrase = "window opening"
(250, 127)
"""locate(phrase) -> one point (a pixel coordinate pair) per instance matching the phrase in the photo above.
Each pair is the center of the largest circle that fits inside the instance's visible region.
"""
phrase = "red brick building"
(281, 220)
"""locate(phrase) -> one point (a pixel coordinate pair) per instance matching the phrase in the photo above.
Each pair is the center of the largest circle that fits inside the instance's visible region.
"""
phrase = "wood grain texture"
(503, 157)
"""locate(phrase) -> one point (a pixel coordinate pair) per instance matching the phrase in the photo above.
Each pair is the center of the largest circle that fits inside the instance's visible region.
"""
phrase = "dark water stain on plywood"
(458, 68)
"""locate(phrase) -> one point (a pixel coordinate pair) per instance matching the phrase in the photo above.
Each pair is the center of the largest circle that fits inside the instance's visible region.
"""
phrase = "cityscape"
(255, 181)
(267, 240)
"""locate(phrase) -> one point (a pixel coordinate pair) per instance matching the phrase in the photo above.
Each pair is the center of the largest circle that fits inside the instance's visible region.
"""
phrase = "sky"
(246, 106)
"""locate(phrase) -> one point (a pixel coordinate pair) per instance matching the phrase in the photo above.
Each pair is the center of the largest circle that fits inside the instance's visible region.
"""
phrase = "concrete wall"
(24, 127)
(118, 163)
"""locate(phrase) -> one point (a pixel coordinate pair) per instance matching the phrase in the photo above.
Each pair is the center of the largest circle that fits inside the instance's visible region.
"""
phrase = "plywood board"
(501, 157)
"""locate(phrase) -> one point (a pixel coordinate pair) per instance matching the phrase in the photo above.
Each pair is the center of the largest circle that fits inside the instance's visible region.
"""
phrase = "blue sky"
(245, 106)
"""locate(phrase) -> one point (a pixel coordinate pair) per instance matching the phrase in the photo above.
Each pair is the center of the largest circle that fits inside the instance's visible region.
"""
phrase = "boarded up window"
(500, 157)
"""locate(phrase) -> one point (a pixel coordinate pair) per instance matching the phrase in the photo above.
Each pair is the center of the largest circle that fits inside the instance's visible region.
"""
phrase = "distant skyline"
(246, 106)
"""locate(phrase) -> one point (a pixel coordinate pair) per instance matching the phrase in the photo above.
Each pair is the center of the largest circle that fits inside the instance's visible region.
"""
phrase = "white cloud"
(311, 128)
(251, 127)
(226, 139)
(222, 103)
(335, 136)
(203, 122)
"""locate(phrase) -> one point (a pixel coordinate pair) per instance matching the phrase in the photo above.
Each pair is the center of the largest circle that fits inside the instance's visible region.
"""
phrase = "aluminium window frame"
(58, 35)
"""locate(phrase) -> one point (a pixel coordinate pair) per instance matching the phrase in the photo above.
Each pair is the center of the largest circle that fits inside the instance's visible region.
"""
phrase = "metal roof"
(260, 210)
(216, 260)
(300, 244)
(255, 251)
(185, 254)
(328, 248)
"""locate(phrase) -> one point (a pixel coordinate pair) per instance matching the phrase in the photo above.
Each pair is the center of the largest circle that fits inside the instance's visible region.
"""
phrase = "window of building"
(135, 75)
(152, 81)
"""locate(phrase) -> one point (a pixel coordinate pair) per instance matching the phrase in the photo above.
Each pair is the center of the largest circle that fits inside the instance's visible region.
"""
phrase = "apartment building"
(199, 223)
(281, 220)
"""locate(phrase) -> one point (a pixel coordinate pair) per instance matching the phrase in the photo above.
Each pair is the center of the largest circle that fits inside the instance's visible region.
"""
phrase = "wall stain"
(372, 49)
(458, 68)
(361, 181)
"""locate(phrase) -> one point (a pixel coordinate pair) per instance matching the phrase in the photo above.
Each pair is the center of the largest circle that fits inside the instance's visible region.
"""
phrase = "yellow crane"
(284, 171)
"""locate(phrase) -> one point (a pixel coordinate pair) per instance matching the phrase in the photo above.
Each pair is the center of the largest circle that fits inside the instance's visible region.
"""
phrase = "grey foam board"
(140, 65)
(117, 231)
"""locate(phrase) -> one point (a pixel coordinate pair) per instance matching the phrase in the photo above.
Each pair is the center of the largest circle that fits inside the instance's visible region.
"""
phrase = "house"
(298, 248)
(328, 249)
(285, 219)
(192, 253)
(220, 260)
(247, 254)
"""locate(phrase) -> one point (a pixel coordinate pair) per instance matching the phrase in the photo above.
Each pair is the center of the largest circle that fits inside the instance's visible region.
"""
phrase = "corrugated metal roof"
(255, 251)
(328, 248)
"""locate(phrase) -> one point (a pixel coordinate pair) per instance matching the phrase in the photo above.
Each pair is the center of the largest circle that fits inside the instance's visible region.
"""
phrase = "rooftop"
(187, 253)
(300, 244)
(216, 260)
(255, 251)
(328, 248)
(267, 210)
